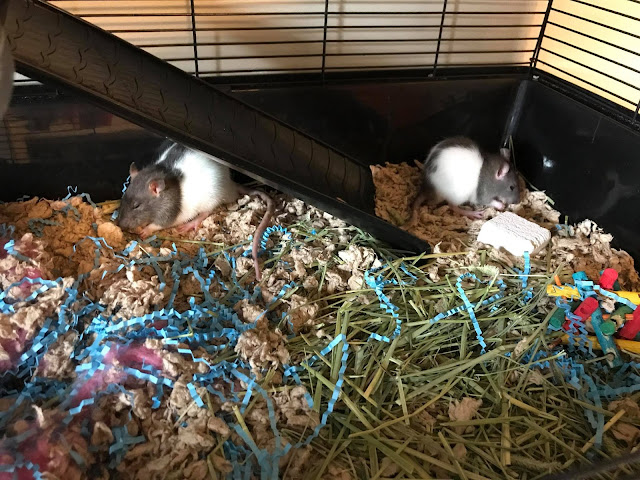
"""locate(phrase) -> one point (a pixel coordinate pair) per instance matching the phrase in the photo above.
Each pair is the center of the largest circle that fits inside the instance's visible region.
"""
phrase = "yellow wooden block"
(562, 291)
(634, 297)
(572, 292)
(627, 345)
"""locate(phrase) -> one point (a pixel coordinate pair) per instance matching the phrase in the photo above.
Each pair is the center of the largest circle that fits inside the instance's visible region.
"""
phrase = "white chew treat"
(515, 234)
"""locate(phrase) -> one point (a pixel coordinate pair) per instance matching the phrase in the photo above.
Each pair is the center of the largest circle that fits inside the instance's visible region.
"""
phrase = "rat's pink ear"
(156, 186)
(133, 170)
(502, 171)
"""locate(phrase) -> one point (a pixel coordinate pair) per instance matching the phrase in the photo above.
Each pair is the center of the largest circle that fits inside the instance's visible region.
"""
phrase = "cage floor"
(164, 359)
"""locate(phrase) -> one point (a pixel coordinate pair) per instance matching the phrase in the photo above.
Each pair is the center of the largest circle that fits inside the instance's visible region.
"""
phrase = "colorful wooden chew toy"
(604, 325)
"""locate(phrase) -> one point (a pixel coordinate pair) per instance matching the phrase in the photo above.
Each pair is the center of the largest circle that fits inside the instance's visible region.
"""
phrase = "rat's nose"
(123, 222)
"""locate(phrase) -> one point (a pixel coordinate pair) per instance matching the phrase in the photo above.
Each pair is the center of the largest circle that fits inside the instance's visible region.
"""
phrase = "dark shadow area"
(391, 121)
(584, 160)
(49, 142)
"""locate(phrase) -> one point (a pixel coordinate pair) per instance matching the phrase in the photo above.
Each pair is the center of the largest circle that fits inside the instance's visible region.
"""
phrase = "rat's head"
(153, 196)
(500, 186)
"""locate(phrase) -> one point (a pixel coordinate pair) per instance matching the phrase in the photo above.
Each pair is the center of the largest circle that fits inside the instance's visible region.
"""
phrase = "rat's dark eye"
(136, 206)
(512, 188)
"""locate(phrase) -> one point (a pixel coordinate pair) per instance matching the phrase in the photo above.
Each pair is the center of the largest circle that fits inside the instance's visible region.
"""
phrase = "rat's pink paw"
(475, 215)
(185, 227)
(149, 230)
(192, 225)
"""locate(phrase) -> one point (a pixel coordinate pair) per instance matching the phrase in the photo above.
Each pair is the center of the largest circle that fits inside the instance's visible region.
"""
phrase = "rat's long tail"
(257, 236)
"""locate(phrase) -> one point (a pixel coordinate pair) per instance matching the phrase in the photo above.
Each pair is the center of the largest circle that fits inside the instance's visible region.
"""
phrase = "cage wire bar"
(534, 58)
(346, 37)
(568, 39)
(195, 37)
(607, 68)
(324, 39)
(444, 14)
(331, 23)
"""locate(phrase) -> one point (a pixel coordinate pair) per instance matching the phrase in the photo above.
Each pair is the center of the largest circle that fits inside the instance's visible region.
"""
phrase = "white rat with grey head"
(458, 171)
(180, 189)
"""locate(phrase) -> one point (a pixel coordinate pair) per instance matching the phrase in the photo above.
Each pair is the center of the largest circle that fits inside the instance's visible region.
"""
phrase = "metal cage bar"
(588, 47)
(545, 20)
(594, 22)
(437, 53)
(324, 40)
(359, 34)
(319, 27)
(195, 37)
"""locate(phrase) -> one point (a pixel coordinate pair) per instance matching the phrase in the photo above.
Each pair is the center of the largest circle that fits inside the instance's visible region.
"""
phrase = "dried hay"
(409, 397)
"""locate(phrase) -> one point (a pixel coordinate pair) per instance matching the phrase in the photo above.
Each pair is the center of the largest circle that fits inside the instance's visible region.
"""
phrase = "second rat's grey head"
(153, 196)
(498, 185)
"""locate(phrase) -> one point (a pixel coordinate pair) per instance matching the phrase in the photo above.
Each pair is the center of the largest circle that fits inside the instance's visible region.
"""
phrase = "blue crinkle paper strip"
(100, 334)
(471, 307)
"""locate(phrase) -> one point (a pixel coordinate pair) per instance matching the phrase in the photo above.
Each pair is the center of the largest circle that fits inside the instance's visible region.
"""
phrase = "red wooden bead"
(584, 310)
(608, 278)
(631, 327)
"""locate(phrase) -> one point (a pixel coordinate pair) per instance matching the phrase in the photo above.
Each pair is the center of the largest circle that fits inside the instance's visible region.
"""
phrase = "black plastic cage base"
(580, 148)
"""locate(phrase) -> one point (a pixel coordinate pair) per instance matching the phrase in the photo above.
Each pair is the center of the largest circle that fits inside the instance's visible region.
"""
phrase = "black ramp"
(53, 46)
